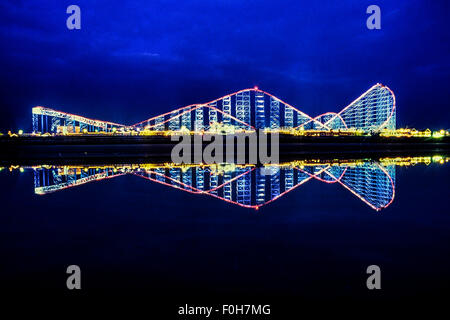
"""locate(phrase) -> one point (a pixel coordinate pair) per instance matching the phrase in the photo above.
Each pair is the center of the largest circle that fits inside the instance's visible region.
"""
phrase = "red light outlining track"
(384, 108)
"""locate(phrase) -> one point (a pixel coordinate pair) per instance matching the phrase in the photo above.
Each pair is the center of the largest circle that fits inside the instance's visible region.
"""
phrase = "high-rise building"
(212, 113)
(226, 108)
(260, 112)
(198, 121)
(260, 187)
(199, 178)
(243, 109)
(288, 116)
(174, 122)
(159, 125)
(186, 119)
(274, 114)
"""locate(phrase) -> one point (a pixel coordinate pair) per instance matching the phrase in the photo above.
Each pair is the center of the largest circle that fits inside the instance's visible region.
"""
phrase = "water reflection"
(372, 182)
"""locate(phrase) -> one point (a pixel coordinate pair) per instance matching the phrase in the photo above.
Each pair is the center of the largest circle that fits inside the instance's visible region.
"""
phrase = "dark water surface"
(130, 234)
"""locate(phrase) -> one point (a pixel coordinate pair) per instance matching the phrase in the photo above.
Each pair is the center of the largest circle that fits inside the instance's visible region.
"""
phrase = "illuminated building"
(260, 112)
(288, 117)
(174, 123)
(226, 107)
(199, 178)
(213, 113)
(198, 120)
(274, 113)
(186, 120)
(159, 124)
(243, 109)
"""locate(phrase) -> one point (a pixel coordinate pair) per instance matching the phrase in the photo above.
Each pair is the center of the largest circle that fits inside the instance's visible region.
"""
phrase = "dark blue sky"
(135, 60)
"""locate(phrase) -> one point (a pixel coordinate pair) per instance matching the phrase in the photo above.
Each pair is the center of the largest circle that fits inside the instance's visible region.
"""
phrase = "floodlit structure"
(245, 110)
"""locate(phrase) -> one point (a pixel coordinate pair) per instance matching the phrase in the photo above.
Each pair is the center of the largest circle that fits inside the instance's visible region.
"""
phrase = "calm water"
(302, 230)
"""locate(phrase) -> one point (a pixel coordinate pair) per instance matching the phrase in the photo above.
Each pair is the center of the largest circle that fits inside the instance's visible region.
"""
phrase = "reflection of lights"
(353, 175)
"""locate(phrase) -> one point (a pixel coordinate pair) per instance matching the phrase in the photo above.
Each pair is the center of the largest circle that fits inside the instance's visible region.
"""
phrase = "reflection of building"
(260, 195)
(288, 178)
(175, 175)
(187, 178)
(373, 111)
(199, 179)
(245, 186)
(227, 194)
(275, 183)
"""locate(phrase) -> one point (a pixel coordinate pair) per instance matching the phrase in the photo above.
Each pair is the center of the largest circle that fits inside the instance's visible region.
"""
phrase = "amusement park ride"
(245, 110)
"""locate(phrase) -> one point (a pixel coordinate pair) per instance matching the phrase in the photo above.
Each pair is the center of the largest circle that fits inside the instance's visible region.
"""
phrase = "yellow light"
(21, 169)
(20, 132)
(437, 134)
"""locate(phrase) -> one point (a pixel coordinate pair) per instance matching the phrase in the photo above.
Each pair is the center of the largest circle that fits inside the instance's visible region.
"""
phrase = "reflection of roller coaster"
(246, 110)
(245, 185)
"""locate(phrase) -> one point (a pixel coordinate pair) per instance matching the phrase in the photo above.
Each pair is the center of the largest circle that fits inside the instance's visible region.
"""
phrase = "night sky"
(135, 60)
